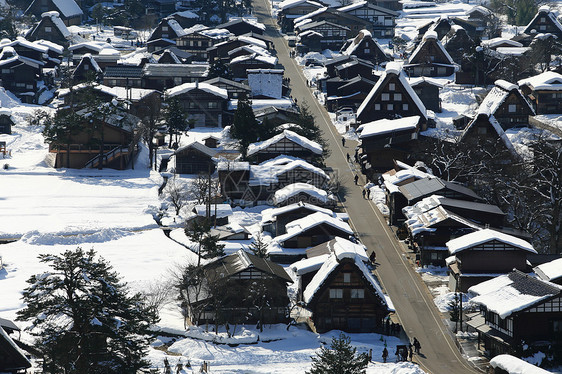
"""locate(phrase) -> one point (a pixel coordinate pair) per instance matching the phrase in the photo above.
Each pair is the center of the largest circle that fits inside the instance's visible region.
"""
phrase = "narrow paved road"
(413, 303)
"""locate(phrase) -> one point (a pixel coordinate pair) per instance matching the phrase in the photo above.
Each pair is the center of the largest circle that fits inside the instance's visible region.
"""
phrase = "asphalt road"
(414, 305)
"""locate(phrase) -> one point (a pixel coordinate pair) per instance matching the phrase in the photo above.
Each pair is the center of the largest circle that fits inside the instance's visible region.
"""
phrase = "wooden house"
(12, 359)
(239, 65)
(275, 220)
(500, 42)
(312, 230)
(261, 37)
(173, 55)
(349, 93)
(333, 34)
(544, 91)
(550, 271)
(383, 19)
(485, 133)
(430, 58)
(233, 179)
(123, 76)
(92, 48)
(219, 214)
(53, 57)
(163, 76)
(197, 41)
(160, 8)
(117, 151)
(204, 103)
(305, 193)
(20, 74)
(515, 307)
(87, 70)
(482, 255)
(457, 43)
(266, 83)
(233, 280)
(544, 22)
(391, 97)
(168, 57)
(508, 105)
(427, 90)
(167, 29)
(32, 50)
(344, 295)
(6, 121)
(287, 143)
(221, 50)
(275, 115)
(194, 158)
(241, 26)
(440, 26)
(335, 16)
(186, 18)
(386, 140)
(69, 11)
(353, 68)
(234, 89)
(289, 10)
(159, 44)
(411, 193)
(50, 28)
(366, 47)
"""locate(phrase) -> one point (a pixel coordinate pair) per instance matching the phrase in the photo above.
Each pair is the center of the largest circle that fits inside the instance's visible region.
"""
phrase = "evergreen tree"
(83, 317)
(7, 24)
(259, 247)
(340, 358)
(207, 244)
(219, 69)
(307, 127)
(175, 117)
(245, 125)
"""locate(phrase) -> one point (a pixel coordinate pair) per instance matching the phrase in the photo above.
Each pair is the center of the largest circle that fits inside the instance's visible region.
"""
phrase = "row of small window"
(210, 105)
(386, 96)
(356, 293)
(191, 43)
(405, 106)
(23, 85)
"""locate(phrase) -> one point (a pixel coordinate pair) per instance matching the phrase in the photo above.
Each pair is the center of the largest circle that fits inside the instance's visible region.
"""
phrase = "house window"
(164, 35)
(86, 67)
(6, 71)
(431, 58)
(481, 131)
(336, 293)
(434, 256)
(512, 108)
(367, 50)
(48, 29)
(542, 27)
(29, 86)
(385, 97)
(391, 86)
(357, 293)
(543, 19)
(377, 107)
(389, 107)
(164, 28)
(212, 105)
(192, 105)
(346, 277)
(405, 106)
(397, 97)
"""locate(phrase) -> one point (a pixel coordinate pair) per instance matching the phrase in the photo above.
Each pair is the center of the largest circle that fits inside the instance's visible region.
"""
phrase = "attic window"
(391, 86)
(336, 293)
(512, 108)
(48, 29)
(543, 19)
(86, 67)
(481, 131)
(346, 277)
(385, 96)
(357, 293)
(164, 28)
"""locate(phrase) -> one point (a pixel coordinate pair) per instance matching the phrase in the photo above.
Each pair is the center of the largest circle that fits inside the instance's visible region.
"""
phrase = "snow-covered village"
(296, 186)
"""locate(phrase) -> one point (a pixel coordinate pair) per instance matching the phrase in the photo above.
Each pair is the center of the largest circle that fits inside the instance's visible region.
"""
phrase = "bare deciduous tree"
(176, 193)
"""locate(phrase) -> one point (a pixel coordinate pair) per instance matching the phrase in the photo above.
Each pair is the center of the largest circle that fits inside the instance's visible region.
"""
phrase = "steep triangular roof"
(441, 55)
(498, 95)
(494, 124)
(544, 11)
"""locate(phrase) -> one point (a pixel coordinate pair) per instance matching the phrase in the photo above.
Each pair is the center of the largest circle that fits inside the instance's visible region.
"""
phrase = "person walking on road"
(348, 158)
(363, 193)
(384, 354)
(410, 352)
(368, 194)
(356, 178)
(343, 142)
(417, 346)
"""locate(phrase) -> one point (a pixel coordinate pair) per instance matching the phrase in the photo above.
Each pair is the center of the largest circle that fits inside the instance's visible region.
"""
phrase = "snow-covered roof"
(514, 365)
(250, 48)
(297, 21)
(430, 35)
(198, 146)
(512, 51)
(222, 210)
(424, 222)
(340, 247)
(298, 226)
(5, 337)
(292, 3)
(483, 114)
(513, 292)
(174, 25)
(90, 58)
(91, 45)
(357, 41)
(68, 8)
(263, 103)
(49, 44)
(270, 214)
(493, 43)
(253, 41)
(250, 21)
(385, 126)
(550, 271)
(330, 265)
(479, 9)
(414, 81)
(216, 33)
(289, 135)
(391, 180)
(271, 60)
(295, 188)
(186, 14)
(186, 87)
(483, 236)
(543, 11)
(396, 69)
(549, 80)
(54, 15)
(308, 265)
(26, 43)
(233, 165)
(267, 172)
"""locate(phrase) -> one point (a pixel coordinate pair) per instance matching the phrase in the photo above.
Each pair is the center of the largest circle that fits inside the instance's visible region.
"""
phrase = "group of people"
(403, 352)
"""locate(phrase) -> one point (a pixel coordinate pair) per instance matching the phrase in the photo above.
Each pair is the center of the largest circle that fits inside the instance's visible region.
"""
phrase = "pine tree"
(175, 117)
(207, 244)
(83, 317)
(245, 125)
(219, 69)
(340, 358)
(259, 247)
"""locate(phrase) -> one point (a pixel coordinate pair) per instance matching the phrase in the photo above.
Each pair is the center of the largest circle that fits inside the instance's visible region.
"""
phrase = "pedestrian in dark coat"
(348, 158)
(368, 194)
(343, 142)
(417, 346)
(404, 354)
(384, 354)
(373, 259)
(363, 193)
(410, 352)
(356, 178)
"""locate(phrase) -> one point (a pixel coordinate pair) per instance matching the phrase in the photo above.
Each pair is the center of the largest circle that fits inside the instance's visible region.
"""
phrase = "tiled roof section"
(123, 71)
